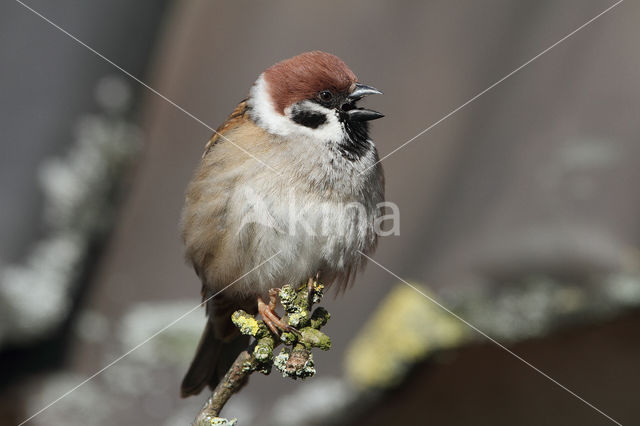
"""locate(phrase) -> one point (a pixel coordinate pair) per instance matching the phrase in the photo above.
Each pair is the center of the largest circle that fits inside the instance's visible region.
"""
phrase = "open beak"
(362, 114)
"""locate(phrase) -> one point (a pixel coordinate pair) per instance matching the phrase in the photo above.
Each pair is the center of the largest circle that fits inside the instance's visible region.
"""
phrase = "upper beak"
(361, 114)
(362, 90)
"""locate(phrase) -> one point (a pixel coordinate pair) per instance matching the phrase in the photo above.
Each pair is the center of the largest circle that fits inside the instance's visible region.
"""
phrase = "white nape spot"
(265, 115)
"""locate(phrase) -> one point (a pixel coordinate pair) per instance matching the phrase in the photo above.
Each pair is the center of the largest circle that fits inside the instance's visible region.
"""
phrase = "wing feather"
(236, 117)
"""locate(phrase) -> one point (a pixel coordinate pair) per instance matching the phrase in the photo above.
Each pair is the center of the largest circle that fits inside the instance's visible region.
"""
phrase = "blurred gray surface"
(537, 174)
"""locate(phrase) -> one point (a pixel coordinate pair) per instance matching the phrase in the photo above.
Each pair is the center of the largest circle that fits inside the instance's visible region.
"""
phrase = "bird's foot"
(270, 317)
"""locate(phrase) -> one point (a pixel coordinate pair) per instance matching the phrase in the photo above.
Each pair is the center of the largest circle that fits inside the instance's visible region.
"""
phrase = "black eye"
(325, 96)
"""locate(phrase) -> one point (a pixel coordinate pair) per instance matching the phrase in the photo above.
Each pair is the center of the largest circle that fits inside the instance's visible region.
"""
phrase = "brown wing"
(234, 119)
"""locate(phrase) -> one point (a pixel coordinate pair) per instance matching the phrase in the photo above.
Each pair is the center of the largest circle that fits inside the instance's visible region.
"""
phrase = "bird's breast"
(263, 229)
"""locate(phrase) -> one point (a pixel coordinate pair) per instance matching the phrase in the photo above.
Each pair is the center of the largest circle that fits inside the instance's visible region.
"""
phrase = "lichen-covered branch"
(295, 360)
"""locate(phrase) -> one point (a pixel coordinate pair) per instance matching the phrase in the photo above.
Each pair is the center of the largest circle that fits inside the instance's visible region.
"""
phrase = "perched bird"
(289, 188)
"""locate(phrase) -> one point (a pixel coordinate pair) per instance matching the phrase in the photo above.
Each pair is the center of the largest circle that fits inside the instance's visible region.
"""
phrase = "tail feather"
(212, 360)
(203, 366)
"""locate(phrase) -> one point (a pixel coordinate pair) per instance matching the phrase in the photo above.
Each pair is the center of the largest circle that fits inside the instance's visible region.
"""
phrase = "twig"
(295, 360)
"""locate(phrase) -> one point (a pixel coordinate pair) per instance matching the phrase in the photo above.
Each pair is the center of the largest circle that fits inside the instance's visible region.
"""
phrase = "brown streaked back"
(234, 120)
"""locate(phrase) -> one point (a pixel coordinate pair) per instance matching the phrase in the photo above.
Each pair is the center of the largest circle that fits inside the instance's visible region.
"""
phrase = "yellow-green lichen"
(403, 330)
(312, 338)
(288, 337)
(214, 421)
(246, 323)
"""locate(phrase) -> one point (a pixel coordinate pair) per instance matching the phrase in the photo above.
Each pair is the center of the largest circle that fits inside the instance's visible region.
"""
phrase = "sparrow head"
(313, 94)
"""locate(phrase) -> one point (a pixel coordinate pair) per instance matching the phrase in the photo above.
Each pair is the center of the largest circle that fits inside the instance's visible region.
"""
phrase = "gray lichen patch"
(298, 302)
(264, 349)
(78, 200)
(536, 304)
(296, 362)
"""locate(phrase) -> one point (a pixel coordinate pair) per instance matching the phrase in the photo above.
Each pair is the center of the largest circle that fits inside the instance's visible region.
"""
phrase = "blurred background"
(520, 212)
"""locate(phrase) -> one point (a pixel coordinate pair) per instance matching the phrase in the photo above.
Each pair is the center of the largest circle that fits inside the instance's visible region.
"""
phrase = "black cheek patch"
(310, 119)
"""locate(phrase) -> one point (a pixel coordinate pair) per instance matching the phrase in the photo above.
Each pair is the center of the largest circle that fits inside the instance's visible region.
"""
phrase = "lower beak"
(360, 114)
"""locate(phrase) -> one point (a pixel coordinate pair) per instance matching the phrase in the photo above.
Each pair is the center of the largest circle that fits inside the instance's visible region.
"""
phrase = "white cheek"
(329, 131)
(265, 115)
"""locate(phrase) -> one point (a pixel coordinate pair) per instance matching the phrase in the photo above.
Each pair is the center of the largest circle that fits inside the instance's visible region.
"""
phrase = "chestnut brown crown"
(304, 76)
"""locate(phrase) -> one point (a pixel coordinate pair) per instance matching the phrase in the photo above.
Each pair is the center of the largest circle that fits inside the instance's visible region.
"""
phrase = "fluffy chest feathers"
(317, 210)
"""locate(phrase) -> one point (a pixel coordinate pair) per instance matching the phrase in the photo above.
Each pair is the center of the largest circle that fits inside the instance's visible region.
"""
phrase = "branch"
(295, 360)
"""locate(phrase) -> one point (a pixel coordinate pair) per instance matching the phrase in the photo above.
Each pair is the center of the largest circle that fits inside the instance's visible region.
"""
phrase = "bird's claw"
(274, 322)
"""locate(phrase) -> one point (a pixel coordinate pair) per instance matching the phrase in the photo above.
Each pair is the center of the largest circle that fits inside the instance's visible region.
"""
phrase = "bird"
(289, 187)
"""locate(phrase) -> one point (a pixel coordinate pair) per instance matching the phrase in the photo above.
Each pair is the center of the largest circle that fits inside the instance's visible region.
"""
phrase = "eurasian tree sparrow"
(316, 211)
